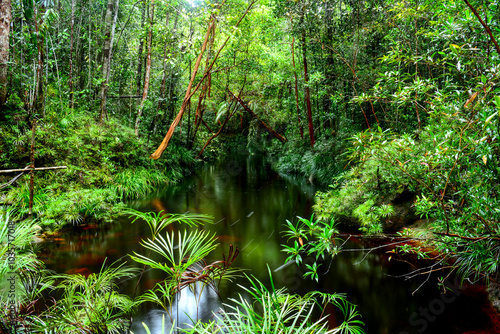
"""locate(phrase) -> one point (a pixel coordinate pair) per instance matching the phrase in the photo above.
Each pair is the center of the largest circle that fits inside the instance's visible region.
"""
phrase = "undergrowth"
(106, 165)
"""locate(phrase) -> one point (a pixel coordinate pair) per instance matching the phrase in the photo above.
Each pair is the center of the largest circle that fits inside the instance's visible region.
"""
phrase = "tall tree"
(307, 93)
(71, 88)
(5, 18)
(139, 52)
(301, 129)
(107, 52)
(39, 98)
(148, 68)
(161, 103)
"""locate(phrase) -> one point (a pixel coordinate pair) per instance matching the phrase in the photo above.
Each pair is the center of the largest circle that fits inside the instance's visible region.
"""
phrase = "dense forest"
(391, 107)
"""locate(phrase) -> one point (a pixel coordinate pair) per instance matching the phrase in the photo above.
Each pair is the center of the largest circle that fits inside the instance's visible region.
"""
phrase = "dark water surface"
(250, 205)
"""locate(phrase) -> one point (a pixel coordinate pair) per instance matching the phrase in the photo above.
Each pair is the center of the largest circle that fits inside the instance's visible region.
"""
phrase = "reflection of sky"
(191, 304)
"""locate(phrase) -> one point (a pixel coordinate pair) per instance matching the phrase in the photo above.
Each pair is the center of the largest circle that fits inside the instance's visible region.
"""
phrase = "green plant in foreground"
(23, 278)
(157, 221)
(312, 237)
(182, 257)
(90, 304)
(270, 310)
(277, 311)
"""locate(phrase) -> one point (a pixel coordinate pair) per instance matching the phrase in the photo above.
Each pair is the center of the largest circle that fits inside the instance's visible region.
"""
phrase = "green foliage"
(23, 278)
(158, 221)
(311, 237)
(106, 165)
(90, 304)
(276, 310)
(453, 169)
(320, 164)
(363, 194)
(182, 257)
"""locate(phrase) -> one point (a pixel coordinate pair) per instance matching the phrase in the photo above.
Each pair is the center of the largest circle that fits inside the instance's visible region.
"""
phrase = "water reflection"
(191, 304)
(250, 205)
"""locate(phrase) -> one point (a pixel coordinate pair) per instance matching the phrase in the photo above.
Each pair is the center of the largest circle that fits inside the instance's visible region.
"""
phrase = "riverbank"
(106, 165)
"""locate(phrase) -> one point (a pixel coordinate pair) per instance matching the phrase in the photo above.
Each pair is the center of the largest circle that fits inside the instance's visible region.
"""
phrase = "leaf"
(471, 99)
(488, 120)
(485, 160)
(483, 79)
(497, 101)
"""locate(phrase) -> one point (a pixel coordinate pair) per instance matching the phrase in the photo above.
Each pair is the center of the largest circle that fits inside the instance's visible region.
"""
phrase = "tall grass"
(136, 183)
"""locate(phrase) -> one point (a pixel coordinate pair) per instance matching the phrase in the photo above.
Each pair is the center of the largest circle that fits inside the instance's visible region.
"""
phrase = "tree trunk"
(307, 94)
(107, 54)
(301, 128)
(161, 103)
(188, 95)
(71, 88)
(105, 59)
(139, 52)
(148, 69)
(89, 80)
(32, 167)
(38, 101)
(5, 18)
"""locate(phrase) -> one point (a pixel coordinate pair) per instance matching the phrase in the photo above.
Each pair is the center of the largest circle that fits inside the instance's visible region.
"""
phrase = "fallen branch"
(277, 135)
(229, 115)
(157, 154)
(12, 181)
(28, 169)
(190, 91)
(466, 238)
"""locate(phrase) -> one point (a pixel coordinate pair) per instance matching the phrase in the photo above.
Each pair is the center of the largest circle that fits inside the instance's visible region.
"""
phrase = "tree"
(107, 52)
(39, 96)
(5, 18)
(71, 86)
(307, 93)
(189, 91)
(148, 68)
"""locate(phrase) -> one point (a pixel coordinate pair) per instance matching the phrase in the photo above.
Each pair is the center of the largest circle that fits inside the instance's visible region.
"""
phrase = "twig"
(488, 30)
(467, 238)
(11, 181)
(371, 249)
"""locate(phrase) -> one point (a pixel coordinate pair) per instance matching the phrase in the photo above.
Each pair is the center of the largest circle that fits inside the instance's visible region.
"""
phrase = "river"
(250, 204)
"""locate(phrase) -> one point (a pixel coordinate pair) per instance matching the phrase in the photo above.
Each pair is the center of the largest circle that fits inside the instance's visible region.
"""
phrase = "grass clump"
(106, 164)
